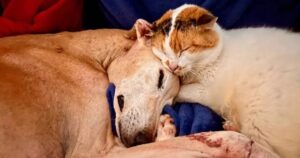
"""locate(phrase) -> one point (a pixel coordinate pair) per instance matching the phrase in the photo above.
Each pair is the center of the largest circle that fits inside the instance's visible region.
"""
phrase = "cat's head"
(184, 37)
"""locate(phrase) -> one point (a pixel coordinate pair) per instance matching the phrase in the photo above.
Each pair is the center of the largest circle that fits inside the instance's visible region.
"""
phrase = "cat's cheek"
(184, 62)
(186, 69)
(181, 72)
(185, 65)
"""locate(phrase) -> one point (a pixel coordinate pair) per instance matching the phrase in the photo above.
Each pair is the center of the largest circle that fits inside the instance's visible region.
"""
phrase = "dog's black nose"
(141, 138)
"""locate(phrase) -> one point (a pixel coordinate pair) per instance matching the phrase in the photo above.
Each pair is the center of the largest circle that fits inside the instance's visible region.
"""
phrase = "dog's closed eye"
(160, 79)
(120, 101)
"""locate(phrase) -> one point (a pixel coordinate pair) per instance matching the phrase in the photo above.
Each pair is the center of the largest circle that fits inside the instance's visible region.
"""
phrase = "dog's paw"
(166, 128)
(230, 126)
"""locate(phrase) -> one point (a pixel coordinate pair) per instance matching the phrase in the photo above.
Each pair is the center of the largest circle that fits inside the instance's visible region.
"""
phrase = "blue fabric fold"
(188, 118)
(110, 93)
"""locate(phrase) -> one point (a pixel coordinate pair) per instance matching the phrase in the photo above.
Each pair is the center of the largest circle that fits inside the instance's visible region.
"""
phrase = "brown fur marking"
(159, 36)
(191, 31)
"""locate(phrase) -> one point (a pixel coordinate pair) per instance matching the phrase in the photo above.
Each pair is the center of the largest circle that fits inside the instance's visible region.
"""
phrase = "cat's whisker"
(192, 72)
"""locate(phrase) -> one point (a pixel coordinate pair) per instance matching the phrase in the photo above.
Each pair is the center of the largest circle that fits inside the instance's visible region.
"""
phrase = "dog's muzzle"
(130, 139)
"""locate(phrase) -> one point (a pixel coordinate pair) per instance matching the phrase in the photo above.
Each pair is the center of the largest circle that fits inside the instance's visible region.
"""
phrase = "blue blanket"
(232, 14)
(189, 118)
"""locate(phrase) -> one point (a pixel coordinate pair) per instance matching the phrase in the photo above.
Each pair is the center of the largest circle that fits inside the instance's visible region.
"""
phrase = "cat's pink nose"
(173, 66)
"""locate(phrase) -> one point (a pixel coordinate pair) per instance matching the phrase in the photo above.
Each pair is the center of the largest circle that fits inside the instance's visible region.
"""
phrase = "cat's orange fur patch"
(192, 13)
(193, 37)
(159, 36)
(191, 31)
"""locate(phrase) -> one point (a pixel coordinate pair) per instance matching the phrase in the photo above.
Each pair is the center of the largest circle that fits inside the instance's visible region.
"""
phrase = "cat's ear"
(207, 21)
(141, 29)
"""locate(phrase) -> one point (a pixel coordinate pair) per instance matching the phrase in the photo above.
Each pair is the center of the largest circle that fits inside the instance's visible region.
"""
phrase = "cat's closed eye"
(183, 51)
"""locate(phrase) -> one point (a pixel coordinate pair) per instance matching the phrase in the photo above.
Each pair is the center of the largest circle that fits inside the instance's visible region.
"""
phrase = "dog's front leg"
(166, 128)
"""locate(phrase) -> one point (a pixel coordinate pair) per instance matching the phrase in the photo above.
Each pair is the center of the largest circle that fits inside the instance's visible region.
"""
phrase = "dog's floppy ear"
(141, 29)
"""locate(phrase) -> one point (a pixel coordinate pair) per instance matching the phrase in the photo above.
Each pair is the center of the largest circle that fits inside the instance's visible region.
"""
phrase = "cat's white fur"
(252, 78)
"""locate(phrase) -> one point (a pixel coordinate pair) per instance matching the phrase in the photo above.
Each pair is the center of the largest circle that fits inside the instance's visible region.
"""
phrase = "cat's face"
(181, 36)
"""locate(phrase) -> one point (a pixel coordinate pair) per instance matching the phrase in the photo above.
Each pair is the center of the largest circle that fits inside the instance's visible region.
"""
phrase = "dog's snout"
(141, 138)
(134, 131)
(138, 139)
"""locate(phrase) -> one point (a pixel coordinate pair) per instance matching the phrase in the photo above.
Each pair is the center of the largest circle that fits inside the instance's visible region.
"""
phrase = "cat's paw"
(166, 128)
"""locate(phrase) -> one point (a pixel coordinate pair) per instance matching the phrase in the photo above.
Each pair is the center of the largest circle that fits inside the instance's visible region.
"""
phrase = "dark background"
(231, 13)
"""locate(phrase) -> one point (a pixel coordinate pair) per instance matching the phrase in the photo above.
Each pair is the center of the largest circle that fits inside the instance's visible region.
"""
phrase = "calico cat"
(250, 76)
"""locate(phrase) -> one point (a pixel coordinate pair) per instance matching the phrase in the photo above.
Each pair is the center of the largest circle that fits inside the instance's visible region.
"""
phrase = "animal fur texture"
(53, 104)
(251, 76)
(53, 86)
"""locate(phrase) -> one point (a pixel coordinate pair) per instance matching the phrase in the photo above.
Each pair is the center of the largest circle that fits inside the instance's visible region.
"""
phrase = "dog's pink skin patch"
(203, 137)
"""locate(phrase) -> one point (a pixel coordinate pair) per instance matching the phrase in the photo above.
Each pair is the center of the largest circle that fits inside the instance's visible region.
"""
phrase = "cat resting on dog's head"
(250, 76)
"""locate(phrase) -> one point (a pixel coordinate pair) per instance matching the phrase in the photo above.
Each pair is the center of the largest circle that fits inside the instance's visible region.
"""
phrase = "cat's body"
(250, 76)
(255, 84)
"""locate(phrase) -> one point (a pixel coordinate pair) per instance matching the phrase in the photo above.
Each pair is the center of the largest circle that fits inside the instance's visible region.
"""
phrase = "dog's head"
(143, 87)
